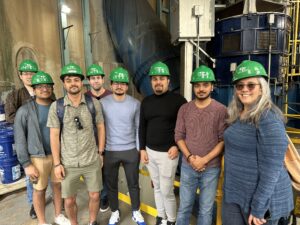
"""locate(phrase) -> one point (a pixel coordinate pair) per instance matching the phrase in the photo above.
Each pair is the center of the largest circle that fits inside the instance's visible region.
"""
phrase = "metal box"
(184, 21)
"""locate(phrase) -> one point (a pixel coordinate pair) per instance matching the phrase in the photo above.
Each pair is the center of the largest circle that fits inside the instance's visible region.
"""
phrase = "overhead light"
(65, 9)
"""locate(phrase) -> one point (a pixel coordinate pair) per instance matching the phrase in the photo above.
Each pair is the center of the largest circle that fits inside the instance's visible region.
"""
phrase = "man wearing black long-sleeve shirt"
(158, 148)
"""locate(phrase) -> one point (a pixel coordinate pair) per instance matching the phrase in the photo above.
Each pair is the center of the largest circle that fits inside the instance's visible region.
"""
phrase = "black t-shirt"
(158, 120)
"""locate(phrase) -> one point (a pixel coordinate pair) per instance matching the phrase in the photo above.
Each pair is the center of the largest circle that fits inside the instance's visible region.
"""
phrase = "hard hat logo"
(204, 74)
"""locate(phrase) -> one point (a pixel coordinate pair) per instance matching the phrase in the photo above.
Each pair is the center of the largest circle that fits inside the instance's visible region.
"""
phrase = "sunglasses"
(250, 86)
(77, 122)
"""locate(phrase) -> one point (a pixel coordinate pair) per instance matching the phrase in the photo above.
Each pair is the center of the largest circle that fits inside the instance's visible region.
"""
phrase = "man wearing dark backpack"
(73, 143)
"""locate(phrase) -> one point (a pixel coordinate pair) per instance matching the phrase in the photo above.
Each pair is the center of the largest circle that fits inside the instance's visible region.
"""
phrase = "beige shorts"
(91, 175)
(46, 169)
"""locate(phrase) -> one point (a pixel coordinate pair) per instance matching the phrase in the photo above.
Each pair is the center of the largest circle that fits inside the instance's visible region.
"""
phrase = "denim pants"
(190, 180)
(232, 214)
(29, 190)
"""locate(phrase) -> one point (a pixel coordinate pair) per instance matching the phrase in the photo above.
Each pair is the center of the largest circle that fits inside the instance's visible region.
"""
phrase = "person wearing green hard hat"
(199, 135)
(121, 114)
(77, 135)
(33, 148)
(95, 76)
(256, 180)
(158, 149)
(71, 70)
(15, 99)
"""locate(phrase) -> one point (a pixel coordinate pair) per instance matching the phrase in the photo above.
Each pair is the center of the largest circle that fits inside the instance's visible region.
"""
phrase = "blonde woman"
(257, 187)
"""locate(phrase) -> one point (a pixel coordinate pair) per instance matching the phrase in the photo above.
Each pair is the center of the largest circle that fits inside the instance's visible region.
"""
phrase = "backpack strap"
(91, 108)
(60, 111)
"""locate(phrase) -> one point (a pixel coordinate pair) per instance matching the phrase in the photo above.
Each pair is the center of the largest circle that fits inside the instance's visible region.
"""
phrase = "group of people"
(91, 134)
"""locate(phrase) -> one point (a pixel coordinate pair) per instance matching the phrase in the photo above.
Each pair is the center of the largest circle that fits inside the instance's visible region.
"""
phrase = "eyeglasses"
(250, 86)
(44, 86)
(77, 122)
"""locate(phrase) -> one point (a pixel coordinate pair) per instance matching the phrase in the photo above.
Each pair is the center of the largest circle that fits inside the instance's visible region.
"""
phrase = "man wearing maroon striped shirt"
(199, 135)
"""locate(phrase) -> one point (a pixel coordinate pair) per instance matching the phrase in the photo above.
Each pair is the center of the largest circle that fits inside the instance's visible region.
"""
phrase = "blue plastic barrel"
(10, 170)
(7, 149)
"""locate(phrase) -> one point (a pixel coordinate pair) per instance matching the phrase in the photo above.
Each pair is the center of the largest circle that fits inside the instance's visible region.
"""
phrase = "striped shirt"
(201, 129)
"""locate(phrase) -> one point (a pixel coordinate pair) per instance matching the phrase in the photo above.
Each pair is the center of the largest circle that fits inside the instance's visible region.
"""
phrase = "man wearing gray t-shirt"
(121, 115)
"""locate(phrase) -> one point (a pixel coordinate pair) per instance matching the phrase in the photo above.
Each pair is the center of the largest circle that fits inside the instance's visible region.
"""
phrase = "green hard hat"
(41, 78)
(28, 65)
(119, 75)
(71, 69)
(203, 74)
(159, 69)
(95, 70)
(247, 69)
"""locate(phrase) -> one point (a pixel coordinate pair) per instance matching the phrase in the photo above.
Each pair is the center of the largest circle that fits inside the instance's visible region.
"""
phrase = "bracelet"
(57, 165)
(187, 158)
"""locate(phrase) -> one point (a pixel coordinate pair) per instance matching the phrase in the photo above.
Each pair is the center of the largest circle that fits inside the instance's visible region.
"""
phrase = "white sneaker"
(114, 218)
(62, 220)
(138, 218)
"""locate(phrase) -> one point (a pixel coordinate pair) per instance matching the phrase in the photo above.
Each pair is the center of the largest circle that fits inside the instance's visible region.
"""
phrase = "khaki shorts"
(46, 169)
(91, 175)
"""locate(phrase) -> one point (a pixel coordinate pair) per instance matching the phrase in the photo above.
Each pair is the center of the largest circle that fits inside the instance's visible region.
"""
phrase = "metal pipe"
(141, 39)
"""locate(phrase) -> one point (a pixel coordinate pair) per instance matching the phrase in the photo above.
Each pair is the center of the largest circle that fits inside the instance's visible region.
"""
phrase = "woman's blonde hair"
(263, 104)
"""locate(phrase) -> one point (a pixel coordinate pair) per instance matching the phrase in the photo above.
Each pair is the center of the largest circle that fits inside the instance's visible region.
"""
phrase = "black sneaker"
(32, 213)
(160, 221)
(170, 223)
(104, 205)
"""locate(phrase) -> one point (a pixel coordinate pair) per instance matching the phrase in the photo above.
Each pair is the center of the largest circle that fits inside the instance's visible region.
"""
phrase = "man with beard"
(199, 135)
(95, 76)
(32, 139)
(157, 145)
(14, 101)
(73, 145)
(121, 114)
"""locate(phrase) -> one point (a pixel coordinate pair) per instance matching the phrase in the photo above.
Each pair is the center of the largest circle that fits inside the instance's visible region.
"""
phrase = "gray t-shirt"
(121, 123)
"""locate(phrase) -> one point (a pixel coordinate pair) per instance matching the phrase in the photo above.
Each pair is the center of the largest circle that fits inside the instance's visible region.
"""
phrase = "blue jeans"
(190, 180)
(232, 214)
(29, 190)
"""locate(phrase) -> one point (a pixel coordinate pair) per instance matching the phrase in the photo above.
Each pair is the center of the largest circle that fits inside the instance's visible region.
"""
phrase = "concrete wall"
(29, 29)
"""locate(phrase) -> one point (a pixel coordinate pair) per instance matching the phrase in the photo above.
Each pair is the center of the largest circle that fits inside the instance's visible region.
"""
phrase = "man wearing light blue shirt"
(121, 114)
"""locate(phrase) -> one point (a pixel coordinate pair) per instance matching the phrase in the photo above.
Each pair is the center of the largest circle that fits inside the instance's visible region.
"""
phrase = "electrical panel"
(190, 16)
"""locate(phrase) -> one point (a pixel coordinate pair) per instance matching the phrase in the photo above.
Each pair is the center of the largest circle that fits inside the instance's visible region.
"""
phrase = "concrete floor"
(14, 209)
